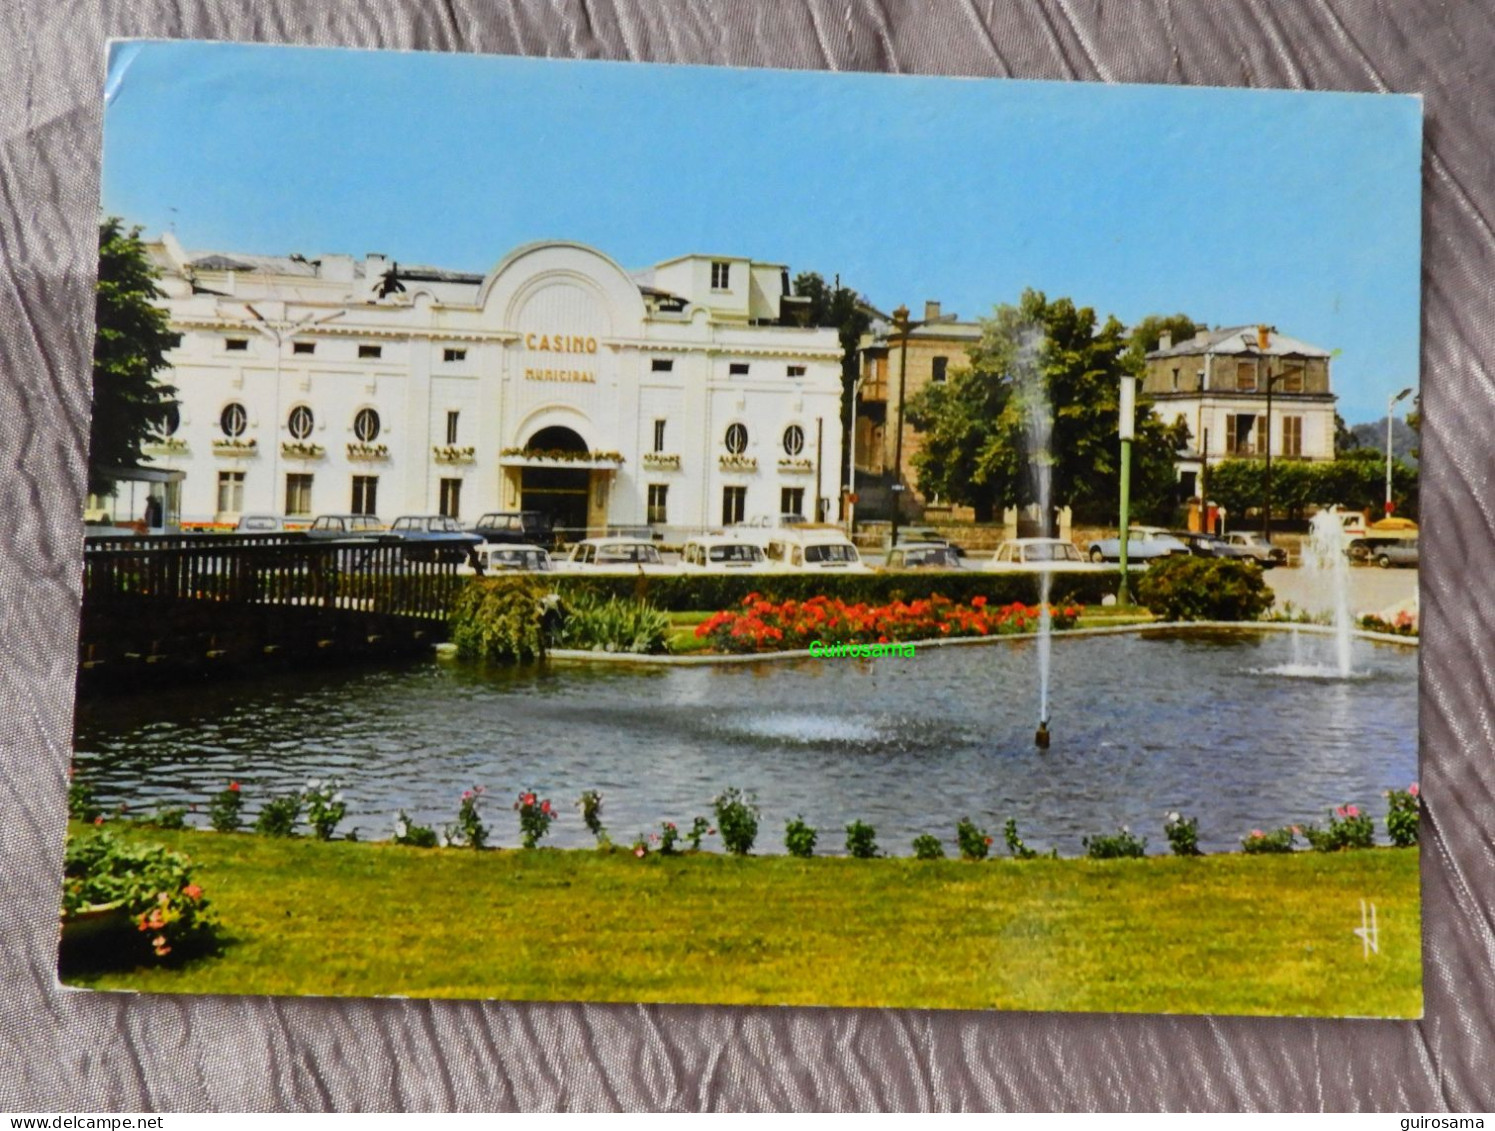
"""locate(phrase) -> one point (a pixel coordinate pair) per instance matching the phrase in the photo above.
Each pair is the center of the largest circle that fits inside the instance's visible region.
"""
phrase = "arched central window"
(366, 425)
(300, 422)
(794, 440)
(233, 420)
(737, 439)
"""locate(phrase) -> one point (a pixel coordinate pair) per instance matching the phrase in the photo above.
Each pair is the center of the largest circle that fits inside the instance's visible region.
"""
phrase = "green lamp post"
(1126, 428)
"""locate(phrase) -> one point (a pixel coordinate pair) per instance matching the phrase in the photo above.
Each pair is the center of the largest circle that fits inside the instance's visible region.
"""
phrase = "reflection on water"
(1142, 725)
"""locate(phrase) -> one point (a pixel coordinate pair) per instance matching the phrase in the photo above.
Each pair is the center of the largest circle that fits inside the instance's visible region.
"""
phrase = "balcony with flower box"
(739, 463)
(235, 446)
(796, 465)
(661, 461)
(300, 449)
(366, 452)
(451, 453)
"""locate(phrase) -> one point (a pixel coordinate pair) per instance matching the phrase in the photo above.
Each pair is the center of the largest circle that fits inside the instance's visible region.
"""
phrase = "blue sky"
(1301, 210)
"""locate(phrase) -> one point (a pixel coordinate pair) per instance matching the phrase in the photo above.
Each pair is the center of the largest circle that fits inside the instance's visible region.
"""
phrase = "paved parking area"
(1371, 589)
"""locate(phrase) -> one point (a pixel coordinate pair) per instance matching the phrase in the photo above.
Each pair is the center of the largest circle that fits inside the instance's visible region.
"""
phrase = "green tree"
(131, 341)
(840, 307)
(1345, 439)
(1144, 337)
(1357, 480)
(976, 448)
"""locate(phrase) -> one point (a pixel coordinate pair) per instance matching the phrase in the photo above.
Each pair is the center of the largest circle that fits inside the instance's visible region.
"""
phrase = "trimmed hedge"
(724, 591)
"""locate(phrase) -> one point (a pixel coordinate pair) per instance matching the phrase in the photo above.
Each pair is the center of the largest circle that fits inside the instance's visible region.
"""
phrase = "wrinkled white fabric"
(82, 1051)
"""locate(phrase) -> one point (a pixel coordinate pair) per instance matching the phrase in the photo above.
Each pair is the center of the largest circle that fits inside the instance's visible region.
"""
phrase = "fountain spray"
(1038, 423)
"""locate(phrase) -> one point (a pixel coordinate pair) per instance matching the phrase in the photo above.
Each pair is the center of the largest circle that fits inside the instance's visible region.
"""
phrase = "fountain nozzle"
(1041, 737)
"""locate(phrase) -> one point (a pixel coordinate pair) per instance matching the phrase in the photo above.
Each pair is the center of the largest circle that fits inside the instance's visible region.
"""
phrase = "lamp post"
(1266, 508)
(1390, 404)
(1126, 428)
(904, 326)
(851, 460)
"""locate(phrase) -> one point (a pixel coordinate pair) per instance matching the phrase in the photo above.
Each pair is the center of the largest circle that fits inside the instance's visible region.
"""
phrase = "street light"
(851, 460)
(1390, 404)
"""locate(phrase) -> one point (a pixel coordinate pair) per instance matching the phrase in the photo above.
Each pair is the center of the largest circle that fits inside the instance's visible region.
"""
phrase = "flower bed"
(764, 625)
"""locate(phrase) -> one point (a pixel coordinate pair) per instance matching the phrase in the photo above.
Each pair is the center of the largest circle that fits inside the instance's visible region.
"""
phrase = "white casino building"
(683, 397)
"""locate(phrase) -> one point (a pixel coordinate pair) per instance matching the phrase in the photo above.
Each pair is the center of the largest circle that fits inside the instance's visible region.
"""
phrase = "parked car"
(814, 548)
(267, 524)
(1041, 555)
(346, 528)
(1143, 544)
(1256, 546)
(633, 554)
(923, 555)
(508, 558)
(531, 528)
(771, 522)
(719, 553)
(1397, 554)
(922, 535)
(434, 538)
(1204, 545)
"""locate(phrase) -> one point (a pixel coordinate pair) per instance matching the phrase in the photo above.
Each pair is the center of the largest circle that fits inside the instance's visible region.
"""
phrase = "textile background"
(80, 1051)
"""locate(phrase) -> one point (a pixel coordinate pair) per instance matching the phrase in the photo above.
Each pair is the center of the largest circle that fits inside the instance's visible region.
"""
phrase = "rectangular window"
(370, 353)
(451, 426)
(236, 345)
(659, 435)
(451, 354)
(230, 492)
(451, 498)
(659, 494)
(734, 504)
(1292, 435)
(938, 369)
(721, 276)
(662, 365)
(796, 371)
(1242, 434)
(365, 494)
(1175, 380)
(738, 369)
(304, 348)
(792, 500)
(1245, 376)
(1292, 379)
(298, 494)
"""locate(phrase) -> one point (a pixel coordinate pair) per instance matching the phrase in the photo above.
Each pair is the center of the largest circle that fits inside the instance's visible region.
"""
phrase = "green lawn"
(1223, 934)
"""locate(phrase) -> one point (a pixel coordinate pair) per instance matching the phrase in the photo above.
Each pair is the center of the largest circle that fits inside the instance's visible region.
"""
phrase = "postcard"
(586, 531)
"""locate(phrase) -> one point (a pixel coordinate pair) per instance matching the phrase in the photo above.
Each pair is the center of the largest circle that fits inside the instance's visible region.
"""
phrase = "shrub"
(171, 817)
(81, 804)
(1403, 806)
(1278, 840)
(927, 847)
(470, 829)
(1183, 835)
(325, 807)
(535, 816)
(1118, 845)
(501, 619)
(1188, 588)
(861, 840)
(150, 884)
(699, 828)
(973, 841)
(611, 624)
(226, 809)
(1403, 624)
(1348, 828)
(1015, 843)
(590, 804)
(669, 837)
(737, 818)
(799, 838)
(408, 833)
(279, 816)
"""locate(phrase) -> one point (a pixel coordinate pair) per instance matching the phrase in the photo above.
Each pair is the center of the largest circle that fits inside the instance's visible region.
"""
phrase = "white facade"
(421, 390)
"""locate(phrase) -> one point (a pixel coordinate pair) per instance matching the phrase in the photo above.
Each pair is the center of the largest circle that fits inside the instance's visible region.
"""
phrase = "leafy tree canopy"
(1147, 334)
(1044, 377)
(131, 341)
(833, 305)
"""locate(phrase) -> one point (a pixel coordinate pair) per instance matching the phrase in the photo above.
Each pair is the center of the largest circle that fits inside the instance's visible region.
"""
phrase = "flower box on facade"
(296, 449)
(554, 457)
(357, 449)
(224, 446)
(169, 446)
(661, 461)
(450, 453)
(797, 465)
(739, 463)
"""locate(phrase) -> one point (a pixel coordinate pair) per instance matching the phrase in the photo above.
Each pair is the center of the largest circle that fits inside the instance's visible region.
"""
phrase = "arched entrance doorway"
(557, 491)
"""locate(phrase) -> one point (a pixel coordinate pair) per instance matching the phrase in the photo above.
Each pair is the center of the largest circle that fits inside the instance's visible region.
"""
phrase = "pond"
(1205, 723)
